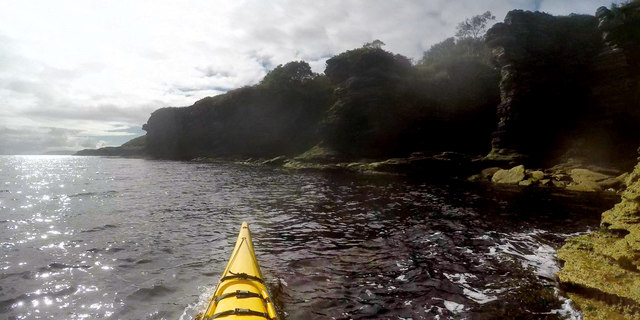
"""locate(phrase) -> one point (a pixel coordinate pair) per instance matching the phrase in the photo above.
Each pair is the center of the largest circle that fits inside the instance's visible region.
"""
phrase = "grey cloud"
(566, 7)
(211, 72)
(105, 112)
(38, 140)
(217, 53)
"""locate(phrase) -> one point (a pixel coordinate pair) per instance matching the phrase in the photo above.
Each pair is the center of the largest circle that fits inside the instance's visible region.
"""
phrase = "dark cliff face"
(164, 129)
(269, 119)
(565, 87)
(367, 118)
(371, 103)
(387, 107)
(565, 92)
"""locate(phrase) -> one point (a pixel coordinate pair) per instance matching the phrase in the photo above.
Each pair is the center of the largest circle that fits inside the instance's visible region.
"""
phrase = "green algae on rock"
(601, 270)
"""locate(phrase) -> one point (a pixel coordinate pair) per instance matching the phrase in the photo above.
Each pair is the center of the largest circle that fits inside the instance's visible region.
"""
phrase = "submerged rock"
(511, 176)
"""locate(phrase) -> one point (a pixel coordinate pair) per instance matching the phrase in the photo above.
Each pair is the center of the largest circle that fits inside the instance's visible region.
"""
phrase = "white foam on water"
(454, 307)
(203, 300)
(542, 259)
(566, 310)
(480, 296)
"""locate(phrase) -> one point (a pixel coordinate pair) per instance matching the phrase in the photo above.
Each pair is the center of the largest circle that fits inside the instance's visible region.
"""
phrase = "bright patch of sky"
(86, 74)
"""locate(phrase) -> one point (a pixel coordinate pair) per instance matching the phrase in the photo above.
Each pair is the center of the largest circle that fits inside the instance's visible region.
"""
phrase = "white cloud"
(566, 7)
(87, 67)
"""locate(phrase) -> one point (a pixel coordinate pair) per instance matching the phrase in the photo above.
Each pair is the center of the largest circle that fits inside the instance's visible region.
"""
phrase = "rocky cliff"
(601, 270)
(569, 87)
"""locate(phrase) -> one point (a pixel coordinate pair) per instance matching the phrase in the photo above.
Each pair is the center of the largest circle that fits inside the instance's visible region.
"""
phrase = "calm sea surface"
(90, 237)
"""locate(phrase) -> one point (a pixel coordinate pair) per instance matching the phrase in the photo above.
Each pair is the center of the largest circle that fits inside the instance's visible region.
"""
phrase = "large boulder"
(511, 176)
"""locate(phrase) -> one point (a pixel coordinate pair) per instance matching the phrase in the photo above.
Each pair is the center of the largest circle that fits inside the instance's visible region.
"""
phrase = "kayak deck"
(241, 292)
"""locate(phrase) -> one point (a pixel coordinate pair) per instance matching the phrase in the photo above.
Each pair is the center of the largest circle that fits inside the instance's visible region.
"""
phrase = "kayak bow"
(241, 292)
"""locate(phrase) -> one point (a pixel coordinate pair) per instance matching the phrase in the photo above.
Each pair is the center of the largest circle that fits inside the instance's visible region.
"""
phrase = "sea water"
(114, 238)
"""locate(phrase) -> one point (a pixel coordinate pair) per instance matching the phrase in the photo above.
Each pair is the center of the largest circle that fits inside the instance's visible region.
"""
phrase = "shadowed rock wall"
(568, 90)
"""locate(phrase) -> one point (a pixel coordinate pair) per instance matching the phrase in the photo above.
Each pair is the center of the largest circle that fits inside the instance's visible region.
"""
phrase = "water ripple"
(137, 239)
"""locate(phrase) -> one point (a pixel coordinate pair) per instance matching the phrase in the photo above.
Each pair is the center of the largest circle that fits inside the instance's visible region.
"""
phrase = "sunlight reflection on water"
(129, 238)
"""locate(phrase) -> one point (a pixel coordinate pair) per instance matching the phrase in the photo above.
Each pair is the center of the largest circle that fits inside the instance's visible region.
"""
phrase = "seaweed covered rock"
(601, 270)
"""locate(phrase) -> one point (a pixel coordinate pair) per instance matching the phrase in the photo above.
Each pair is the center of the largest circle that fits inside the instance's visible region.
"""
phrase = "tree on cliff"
(474, 27)
(375, 44)
(292, 72)
(468, 43)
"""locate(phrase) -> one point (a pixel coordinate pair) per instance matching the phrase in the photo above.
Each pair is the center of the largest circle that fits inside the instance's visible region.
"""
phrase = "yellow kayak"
(241, 292)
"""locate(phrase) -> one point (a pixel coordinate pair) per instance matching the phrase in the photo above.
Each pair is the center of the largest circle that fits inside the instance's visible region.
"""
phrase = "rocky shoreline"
(602, 269)
(572, 175)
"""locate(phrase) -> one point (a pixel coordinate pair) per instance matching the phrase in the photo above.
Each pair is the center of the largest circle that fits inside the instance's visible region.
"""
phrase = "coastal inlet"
(89, 237)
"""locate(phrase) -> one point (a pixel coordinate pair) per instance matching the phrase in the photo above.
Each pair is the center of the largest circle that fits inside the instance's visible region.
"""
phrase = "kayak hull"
(241, 292)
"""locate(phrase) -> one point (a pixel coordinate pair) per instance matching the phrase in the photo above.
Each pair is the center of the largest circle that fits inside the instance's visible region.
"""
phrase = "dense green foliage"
(369, 103)
(385, 106)
(278, 116)
(552, 88)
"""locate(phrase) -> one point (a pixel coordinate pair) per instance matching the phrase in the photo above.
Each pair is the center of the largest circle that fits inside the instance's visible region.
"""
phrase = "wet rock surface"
(602, 269)
(513, 175)
(572, 176)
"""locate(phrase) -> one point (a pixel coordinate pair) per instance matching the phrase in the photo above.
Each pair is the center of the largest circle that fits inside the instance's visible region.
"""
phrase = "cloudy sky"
(85, 74)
